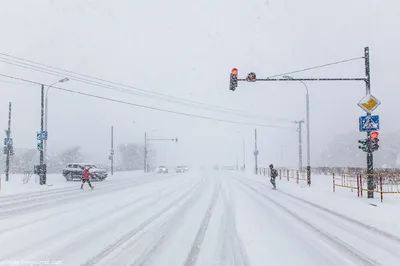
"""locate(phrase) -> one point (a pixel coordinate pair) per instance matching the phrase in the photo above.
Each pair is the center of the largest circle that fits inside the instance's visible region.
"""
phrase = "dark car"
(74, 171)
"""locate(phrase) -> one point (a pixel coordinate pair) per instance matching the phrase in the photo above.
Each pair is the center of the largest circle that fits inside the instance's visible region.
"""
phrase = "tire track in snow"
(126, 237)
(87, 223)
(392, 249)
(232, 250)
(344, 217)
(341, 245)
(198, 241)
(58, 200)
(28, 197)
(162, 234)
(63, 212)
(313, 248)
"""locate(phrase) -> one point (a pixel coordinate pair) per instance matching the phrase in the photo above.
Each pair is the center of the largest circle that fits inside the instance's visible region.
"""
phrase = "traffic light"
(40, 146)
(364, 146)
(234, 79)
(374, 141)
(251, 77)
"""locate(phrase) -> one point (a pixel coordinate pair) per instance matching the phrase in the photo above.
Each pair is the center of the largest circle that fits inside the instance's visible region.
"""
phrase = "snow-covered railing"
(287, 174)
(384, 183)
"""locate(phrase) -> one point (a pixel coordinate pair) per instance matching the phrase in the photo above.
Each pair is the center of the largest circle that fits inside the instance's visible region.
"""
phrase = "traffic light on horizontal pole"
(233, 79)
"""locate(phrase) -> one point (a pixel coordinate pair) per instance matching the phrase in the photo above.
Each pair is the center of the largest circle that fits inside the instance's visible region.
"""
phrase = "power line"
(316, 67)
(14, 83)
(157, 96)
(147, 107)
(141, 92)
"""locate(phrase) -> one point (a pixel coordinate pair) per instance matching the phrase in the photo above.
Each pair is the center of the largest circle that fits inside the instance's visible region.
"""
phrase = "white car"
(162, 169)
(181, 169)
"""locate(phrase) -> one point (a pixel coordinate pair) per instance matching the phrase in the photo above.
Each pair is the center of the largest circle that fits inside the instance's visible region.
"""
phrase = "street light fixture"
(46, 112)
(307, 121)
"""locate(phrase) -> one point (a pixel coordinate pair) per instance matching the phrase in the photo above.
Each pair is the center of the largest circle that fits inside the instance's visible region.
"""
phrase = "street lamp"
(46, 112)
(307, 124)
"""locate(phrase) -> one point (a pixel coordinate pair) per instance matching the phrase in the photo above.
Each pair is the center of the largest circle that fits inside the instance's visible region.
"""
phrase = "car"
(162, 169)
(181, 169)
(74, 171)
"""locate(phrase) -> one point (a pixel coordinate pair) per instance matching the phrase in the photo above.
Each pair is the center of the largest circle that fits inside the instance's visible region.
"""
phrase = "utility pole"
(43, 171)
(145, 153)
(300, 145)
(8, 148)
(255, 150)
(112, 150)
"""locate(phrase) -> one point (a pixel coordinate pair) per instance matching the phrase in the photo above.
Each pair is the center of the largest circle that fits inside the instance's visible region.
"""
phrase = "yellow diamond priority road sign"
(369, 103)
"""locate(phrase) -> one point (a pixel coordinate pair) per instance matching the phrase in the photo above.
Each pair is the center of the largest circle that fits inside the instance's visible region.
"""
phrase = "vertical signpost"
(40, 137)
(369, 124)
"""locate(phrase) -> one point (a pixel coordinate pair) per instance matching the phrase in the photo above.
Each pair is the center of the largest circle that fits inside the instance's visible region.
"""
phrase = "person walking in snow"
(273, 175)
(86, 177)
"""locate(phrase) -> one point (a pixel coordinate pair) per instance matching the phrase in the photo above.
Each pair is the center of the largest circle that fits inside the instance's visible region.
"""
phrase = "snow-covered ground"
(195, 218)
(16, 185)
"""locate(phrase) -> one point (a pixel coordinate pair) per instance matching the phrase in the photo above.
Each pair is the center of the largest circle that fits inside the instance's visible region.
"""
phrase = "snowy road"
(195, 218)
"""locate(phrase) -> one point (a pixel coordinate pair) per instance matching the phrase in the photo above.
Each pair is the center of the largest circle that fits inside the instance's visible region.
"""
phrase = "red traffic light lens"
(374, 135)
(234, 71)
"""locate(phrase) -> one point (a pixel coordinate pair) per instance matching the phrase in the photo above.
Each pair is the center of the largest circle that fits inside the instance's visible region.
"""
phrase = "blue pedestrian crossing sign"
(8, 142)
(41, 135)
(369, 123)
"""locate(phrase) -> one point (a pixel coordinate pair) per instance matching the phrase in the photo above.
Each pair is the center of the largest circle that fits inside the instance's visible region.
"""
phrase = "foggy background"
(186, 49)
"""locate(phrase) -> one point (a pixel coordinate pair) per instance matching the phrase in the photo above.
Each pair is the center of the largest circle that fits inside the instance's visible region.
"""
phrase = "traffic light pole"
(252, 78)
(370, 158)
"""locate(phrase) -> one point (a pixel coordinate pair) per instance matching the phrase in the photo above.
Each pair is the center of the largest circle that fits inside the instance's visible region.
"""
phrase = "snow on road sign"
(369, 103)
(369, 123)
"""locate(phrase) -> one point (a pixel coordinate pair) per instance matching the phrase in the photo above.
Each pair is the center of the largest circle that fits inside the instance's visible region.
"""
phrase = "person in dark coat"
(86, 178)
(273, 175)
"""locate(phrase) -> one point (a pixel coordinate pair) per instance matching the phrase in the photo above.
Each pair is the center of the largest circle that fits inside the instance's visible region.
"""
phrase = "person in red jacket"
(86, 178)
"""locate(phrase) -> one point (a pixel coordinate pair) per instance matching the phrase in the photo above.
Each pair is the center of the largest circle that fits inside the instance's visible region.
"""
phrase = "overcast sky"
(186, 49)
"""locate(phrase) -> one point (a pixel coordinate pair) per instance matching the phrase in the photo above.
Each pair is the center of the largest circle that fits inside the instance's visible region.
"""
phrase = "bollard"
(288, 175)
(297, 176)
(358, 185)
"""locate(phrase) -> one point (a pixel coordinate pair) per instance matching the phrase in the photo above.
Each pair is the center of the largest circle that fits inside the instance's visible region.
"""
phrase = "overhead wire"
(316, 67)
(139, 92)
(148, 107)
